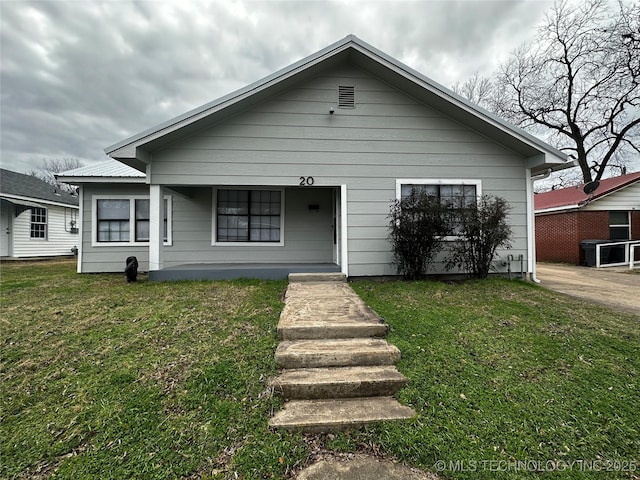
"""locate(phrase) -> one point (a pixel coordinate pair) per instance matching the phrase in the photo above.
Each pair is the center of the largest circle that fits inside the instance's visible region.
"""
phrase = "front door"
(6, 214)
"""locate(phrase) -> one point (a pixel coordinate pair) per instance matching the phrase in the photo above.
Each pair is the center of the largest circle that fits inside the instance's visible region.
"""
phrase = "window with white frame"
(38, 226)
(619, 226)
(458, 196)
(248, 216)
(456, 193)
(126, 219)
(142, 219)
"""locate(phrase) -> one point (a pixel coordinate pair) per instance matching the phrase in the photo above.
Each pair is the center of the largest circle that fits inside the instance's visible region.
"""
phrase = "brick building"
(567, 216)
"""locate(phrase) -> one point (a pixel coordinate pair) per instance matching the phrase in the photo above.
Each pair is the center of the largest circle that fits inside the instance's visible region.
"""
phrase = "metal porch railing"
(618, 254)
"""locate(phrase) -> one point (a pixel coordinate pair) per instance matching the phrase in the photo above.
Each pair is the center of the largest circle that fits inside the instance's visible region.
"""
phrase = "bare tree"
(477, 89)
(579, 80)
(50, 167)
(569, 177)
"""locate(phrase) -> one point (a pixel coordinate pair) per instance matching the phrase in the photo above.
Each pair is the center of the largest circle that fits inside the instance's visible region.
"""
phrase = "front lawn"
(511, 380)
(104, 379)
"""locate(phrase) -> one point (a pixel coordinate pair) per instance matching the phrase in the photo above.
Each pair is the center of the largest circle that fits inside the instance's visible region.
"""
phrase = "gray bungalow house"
(297, 172)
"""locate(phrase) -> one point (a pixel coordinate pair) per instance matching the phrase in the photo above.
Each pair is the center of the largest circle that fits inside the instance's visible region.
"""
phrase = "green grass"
(504, 372)
(104, 379)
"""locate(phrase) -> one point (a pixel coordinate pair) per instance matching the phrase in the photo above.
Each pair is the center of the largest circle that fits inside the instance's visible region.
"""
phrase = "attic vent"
(346, 96)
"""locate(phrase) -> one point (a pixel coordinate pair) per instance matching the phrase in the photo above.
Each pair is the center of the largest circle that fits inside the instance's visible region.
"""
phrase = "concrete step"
(327, 310)
(318, 277)
(338, 414)
(332, 329)
(307, 290)
(318, 318)
(340, 382)
(336, 353)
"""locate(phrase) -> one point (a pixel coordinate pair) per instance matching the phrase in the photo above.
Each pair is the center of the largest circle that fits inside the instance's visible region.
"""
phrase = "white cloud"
(79, 76)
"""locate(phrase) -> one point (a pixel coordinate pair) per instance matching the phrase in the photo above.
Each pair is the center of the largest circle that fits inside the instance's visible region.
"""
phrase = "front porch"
(229, 271)
(219, 237)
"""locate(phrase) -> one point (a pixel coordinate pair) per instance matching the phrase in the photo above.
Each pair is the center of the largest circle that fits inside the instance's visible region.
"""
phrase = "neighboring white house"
(298, 171)
(36, 218)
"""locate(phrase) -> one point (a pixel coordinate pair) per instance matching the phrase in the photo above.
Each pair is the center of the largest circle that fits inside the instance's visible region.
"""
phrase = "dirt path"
(614, 287)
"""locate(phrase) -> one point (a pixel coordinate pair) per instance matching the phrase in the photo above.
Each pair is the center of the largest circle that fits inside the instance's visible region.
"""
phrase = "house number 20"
(306, 181)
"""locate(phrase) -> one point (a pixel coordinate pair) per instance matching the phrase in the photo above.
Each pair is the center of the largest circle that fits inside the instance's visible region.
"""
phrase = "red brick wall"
(592, 226)
(558, 235)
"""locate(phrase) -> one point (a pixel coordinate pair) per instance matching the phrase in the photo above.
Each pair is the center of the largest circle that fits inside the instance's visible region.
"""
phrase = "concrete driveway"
(614, 287)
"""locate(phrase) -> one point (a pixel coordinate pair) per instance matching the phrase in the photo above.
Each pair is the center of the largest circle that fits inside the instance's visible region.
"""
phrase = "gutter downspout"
(531, 227)
(80, 259)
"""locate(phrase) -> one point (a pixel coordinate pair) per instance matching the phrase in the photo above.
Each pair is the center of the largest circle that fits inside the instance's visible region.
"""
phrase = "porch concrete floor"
(229, 271)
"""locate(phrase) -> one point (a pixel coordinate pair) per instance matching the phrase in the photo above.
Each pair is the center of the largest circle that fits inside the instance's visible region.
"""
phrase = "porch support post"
(344, 240)
(80, 259)
(156, 227)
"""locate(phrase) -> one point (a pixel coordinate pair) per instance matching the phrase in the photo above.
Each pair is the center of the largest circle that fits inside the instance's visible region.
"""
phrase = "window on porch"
(116, 218)
(248, 215)
(142, 219)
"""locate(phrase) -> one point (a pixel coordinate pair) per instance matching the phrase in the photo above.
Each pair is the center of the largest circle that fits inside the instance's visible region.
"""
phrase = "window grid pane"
(113, 231)
(142, 220)
(618, 218)
(114, 224)
(38, 226)
(456, 195)
(619, 228)
(617, 234)
(248, 216)
(142, 209)
(113, 220)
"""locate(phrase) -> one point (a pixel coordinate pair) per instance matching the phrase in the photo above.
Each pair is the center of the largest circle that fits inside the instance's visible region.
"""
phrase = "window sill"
(248, 244)
(126, 244)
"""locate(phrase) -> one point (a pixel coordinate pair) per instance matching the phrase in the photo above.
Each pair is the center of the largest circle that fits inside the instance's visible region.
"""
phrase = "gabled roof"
(107, 171)
(18, 186)
(574, 197)
(134, 150)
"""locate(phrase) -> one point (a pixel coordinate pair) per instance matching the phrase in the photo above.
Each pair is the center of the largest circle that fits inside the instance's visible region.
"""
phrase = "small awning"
(21, 205)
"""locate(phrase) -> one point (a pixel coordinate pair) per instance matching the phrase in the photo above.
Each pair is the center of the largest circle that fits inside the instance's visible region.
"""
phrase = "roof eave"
(540, 155)
(551, 157)
(615, 189)
(88, 179)
(559, 209)
(8, 196)
(129, 148)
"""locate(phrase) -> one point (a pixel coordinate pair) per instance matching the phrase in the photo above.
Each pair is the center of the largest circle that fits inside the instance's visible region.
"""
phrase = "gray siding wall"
(388, 135)
(105, 257)
(308, 235)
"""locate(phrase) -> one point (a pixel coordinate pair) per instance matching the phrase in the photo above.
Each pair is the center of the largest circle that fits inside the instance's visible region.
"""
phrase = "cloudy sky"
(78, 76)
